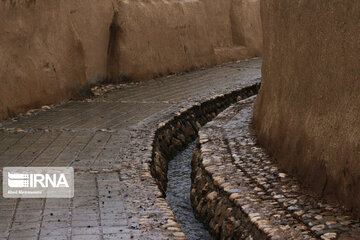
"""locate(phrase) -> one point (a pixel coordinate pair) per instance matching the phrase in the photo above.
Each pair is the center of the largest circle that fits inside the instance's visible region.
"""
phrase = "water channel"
(178, 195)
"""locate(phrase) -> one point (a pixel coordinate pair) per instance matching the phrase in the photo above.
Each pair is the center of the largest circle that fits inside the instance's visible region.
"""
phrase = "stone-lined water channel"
(178, 195)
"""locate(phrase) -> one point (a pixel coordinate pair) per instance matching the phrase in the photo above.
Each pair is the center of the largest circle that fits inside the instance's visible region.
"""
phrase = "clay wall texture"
(307, 113)
(52, 50)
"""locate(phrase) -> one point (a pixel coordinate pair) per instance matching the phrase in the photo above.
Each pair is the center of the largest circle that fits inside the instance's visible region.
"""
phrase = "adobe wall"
(50, 50)
(307, 113)
(53, 50)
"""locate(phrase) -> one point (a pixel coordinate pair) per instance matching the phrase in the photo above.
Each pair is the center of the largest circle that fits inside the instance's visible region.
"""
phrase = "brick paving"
(108, 142)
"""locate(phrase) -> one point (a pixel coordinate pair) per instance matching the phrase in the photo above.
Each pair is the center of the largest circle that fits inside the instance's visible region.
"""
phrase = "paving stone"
(26, 233)
(108, 140)
(54, 231)
(88, 230)
(42, 237)
(86, 237)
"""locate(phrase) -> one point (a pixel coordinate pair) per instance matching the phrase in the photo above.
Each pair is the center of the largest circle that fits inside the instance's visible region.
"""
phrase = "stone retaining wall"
(239, 192)
(215, 198)
(172, 136)
(216, 207)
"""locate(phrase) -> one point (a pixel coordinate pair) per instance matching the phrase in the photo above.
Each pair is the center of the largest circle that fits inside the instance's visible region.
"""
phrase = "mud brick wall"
(53, 50)
(307, 112)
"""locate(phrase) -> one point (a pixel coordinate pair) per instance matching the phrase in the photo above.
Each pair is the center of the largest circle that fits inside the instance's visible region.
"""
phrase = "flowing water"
(178, 195)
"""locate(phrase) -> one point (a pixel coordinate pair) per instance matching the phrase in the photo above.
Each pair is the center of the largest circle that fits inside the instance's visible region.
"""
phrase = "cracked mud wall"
(307, 113)
(52, 50)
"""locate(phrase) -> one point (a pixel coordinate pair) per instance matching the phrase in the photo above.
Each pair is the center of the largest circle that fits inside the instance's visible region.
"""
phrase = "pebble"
(282, 175)
(328, 236)
(211, 196)
(318, 227)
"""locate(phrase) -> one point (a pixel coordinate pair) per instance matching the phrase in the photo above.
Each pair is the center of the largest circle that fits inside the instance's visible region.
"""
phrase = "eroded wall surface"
(307, 113)
(51, 50)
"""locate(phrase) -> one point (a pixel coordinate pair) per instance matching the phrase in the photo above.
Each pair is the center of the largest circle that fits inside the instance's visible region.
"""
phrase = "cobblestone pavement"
(248, 178)
(108, 142)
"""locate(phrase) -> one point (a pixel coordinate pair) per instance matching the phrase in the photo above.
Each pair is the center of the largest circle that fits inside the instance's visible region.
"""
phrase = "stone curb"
(227, 208)
(238, 192)
(173, 135)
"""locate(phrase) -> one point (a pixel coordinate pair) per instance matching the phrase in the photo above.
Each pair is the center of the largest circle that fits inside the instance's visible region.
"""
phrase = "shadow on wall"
(113, 53)
(50, 49)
